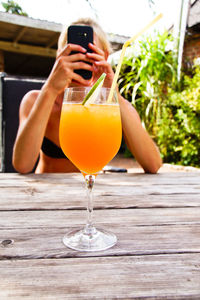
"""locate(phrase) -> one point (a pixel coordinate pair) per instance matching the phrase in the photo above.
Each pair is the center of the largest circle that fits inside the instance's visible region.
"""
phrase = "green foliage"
(170, 112)
(13, 8)
(144, 79)
(179, 133)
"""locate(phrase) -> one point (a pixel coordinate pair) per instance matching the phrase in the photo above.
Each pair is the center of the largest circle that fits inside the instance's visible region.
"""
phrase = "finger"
(82, 65)
(79, 79)
(104, 64)
(79, 57)
(95, 57)
(71, 47)
(94, 48)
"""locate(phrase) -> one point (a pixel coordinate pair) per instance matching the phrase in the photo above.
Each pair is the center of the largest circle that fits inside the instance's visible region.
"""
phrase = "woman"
(38, 133)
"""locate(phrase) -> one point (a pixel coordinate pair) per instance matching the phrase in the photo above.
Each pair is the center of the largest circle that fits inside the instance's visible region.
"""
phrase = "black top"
(52, 150)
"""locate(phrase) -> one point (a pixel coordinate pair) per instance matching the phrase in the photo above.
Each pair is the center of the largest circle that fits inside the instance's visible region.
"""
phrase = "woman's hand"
(100, 65)
(66, 63)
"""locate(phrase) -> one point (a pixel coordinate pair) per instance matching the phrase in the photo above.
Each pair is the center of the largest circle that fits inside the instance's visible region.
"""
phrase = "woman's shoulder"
(28, 100)
(30, 96)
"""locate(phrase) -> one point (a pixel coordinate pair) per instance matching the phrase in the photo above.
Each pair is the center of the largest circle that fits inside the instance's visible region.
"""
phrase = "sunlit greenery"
(171, 116)
(179, 129)
(145, 78)
(13, 8)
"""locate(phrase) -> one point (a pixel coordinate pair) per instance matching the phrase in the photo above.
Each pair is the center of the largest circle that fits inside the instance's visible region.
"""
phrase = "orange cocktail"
(90, 136)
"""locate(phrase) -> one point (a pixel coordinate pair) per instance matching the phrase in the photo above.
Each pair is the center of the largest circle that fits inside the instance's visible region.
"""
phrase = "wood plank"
(171, 178)
(134, 277)
(2, 62)
(132, 217)
(52, 41)
(27, 49)
(29, 22)
(158, 251)
(47, 243)
(64, 191)
(63, 201)
(20, 33)
(39, 233)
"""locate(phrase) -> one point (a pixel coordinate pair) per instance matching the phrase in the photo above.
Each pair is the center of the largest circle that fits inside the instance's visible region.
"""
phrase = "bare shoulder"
(28, 102)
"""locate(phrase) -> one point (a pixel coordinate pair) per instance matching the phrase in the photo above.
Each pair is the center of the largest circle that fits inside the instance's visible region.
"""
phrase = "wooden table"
(155, 217)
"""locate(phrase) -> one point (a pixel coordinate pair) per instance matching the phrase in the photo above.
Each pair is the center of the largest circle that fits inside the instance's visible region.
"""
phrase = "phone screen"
(81, 35)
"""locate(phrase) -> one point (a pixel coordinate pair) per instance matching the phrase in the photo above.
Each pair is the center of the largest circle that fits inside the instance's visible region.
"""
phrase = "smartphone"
(81, 35)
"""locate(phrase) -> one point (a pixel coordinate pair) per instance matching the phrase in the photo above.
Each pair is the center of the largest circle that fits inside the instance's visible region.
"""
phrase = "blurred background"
(160, 73)
(45, 19)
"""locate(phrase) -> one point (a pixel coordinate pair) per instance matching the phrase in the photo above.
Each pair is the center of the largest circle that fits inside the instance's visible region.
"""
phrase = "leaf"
(136, 87)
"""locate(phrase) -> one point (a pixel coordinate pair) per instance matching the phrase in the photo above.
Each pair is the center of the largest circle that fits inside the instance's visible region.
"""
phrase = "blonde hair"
(62, 41)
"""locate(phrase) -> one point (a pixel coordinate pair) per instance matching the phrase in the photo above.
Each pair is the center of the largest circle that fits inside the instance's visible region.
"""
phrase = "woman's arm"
(36, 106)
(137, 139)
(34, 113)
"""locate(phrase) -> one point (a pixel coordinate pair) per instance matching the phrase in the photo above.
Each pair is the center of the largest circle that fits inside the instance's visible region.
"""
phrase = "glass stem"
(89, 228)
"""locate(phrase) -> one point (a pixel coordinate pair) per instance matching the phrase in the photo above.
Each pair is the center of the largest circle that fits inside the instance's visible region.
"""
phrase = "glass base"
(98, 240)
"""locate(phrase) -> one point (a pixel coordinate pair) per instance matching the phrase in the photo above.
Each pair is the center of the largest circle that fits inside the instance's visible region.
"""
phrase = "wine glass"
(90, 136)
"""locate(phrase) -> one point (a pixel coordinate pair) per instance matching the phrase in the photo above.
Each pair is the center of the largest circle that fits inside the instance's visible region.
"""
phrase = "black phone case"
(81, 35)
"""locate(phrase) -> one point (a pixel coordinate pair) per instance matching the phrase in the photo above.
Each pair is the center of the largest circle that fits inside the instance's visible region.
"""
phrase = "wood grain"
(38, 234)
(155, 217)
(111, 191)
(133, 277)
